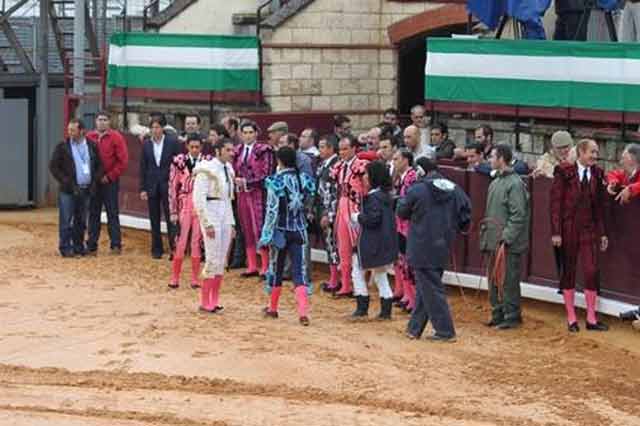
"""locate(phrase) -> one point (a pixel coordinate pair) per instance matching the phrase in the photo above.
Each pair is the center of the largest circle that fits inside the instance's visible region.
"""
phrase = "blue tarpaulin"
(528, 12)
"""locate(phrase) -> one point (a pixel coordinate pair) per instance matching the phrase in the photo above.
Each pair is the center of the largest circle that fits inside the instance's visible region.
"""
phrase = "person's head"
(192, 123)
(157, 126)
(377, 176)
(630, 159)
(561, 144)
(216, 133)
(276, 131)
(417, 116)
(373, 138)
(224, 150)
(347, 147)
(231, 124)
(248, 132)
(157, 115)
(194, 144)
(473, 153)
(387, 149)
(309, 138)
(342, 125)
(425, 166)
(501, 156)
(328, 146)
(75, 129)
(412, 137)
(286, 157)
(290, 140)
(439, 134)
(587, 150)
(402, 160)
(103, 121)
(390, 117)
(484, 135)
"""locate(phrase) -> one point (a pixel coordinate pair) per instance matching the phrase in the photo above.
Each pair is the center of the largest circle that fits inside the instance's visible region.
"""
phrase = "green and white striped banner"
(185, 62)
(602, 76)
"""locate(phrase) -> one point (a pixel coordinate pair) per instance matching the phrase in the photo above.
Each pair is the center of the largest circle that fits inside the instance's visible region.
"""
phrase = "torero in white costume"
(212, 195)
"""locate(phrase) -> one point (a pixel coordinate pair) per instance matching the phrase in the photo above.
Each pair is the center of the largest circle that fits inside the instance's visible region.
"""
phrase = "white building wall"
(209, 17)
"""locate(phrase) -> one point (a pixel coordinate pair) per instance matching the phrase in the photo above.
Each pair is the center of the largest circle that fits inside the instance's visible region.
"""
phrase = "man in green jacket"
(506, 222)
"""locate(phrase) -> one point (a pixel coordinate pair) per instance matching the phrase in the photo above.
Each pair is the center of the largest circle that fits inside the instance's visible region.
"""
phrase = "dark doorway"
(412, 57)
(28, 93)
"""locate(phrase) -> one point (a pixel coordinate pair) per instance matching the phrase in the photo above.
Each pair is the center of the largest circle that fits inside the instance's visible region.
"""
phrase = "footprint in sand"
(127, 344)
(200, 354)
(104, 352)
(129, 352)
(156, 355)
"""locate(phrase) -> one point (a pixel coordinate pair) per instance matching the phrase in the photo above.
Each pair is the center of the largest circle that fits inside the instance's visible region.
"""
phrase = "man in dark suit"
(157, 154)
(76, 165)
(438, 209)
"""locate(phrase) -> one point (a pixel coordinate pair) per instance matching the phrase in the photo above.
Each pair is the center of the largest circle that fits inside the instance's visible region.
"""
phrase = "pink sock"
(264, 261)
(591, 296)
(333, 277)
(346, 280)
(275, 297)
(252, 259)
(176, 268)
(569, 296)
(398, 285)
(205, 290)
(195, 270)
(215, 291)
(301, 298)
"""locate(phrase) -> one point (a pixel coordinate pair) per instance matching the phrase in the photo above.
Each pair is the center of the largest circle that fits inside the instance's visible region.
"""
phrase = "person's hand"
(105, 179)
(611, 189)
(624, 196)
(556, 240)
(211, 233)
(324, 222)
(354, 217)
(144, 196)
(537, 173)
(604, 243)
(174, 218)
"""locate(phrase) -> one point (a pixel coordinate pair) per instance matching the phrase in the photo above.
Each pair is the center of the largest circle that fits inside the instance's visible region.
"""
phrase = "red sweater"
(113, 152)
(620, 178)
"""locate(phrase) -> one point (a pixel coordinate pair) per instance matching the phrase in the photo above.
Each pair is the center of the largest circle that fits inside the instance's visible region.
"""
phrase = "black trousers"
(159, 205)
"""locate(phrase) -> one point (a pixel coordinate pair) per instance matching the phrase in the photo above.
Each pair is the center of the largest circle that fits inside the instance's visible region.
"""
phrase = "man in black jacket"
(438, 209)
(157, 154)
(76, 166)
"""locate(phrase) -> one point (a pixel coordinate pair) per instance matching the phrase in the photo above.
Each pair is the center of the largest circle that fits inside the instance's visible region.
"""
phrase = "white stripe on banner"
(183, 57)
(543, 68)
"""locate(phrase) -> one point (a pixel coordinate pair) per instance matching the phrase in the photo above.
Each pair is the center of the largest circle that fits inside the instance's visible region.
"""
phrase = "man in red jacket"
(577, 226)
(112, 149)
(624, 184)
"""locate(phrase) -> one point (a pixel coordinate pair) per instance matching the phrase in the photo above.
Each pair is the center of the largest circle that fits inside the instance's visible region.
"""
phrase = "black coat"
(378, 243)
(154, 180)
(63, 168)
(438, 209)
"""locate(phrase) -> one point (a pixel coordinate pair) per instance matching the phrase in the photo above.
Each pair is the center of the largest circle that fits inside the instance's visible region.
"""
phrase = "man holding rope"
(504, 237)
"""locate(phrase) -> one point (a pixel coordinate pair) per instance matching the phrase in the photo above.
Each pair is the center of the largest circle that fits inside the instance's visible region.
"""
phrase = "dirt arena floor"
(102, 342)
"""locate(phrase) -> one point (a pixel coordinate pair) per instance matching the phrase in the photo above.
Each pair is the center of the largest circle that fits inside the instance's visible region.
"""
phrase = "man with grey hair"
(373, 139)
(562, 151)
(419, 120)
(624, 184)
(414, 143)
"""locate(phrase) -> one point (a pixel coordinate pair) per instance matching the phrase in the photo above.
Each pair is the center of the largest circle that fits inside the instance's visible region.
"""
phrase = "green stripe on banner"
(578, 49)
(183, 79)
(609, 97)
(183, 40)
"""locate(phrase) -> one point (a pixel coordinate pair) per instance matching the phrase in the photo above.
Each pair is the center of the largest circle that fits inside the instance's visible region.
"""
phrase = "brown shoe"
(269, 314)
(305, 321)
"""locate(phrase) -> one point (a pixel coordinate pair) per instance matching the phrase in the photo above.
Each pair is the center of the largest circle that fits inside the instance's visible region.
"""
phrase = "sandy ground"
(101, 341)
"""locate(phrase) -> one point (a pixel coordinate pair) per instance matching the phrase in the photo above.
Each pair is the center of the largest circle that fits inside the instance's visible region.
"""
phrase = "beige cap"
(279, 126)
(561, 139)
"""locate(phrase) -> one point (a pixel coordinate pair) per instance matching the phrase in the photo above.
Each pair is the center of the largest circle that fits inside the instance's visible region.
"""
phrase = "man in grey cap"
(276, 131)
(562, 151)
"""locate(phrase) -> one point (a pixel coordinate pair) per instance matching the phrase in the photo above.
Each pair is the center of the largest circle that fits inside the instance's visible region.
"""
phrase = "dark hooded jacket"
(378, 243)
(438, 210)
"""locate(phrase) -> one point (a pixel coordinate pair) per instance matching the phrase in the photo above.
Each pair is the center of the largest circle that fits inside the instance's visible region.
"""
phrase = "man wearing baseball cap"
(562, 151)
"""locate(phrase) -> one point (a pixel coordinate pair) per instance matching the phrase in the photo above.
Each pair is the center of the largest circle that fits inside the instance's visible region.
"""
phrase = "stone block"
(301, 71)
(303, 35)
(300, 103)
(331, 56)
(311, 56)
(364, 36)
(291, 56)
(368, 86)
(330, 87)
(322, 36)
(539, 145)
(272, 87)
(387, 87)
(359, 71)
(526, 142)
(279, 103)
(387, 101)
(321, 103)
(349, 87)
(387, 72)
(291, 87)
(359, 102)
(341, 71)
(321, 71)
(312, 87)
(340, 102)
(386, 56)
(374, 101)
(280, 72)
(368, 56)
(369, 120)
(281, 35)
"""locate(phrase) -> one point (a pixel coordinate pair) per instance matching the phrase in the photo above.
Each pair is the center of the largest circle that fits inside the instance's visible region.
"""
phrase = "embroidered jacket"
(181, 182)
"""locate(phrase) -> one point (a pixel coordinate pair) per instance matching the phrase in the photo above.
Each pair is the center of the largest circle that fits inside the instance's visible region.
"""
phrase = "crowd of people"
(377, 201)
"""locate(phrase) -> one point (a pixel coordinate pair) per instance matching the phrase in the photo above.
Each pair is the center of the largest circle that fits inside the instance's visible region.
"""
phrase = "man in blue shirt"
(76, 166)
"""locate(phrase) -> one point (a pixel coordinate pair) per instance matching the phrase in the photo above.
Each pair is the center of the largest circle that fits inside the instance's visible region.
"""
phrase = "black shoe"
(400, 304)
(250, 274)
(270, 314)
(92, 253)
(80, 253)
(343, 295)
(573, 327)
(156, 256)
(204, 310)
(508, 324)
(286, 278)
(599, 326)
(305, 321)
(170, 257)
(68, 254)
(237, 264)
(328, 289)
(362, 307)
(218, 309)
(195, 286)
(116, 251)
(173, 286)
(442, 339)
(493, 322)
(631, 315)
(385, 309)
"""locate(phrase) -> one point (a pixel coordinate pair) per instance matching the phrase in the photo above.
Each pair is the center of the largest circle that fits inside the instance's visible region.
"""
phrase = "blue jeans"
(72, 221)
(431, 303)
(106, 195)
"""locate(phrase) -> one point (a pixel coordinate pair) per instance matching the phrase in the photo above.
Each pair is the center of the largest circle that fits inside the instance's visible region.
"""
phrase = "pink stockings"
(591, 297)
(210, 293)
(301, 300)
(176, 269)
(252, 259)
